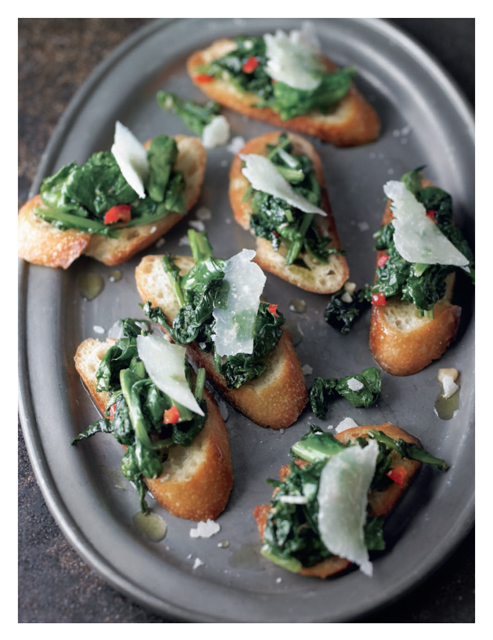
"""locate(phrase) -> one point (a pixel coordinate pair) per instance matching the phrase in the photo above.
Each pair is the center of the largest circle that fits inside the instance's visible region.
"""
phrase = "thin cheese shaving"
(417, 238)
(237, 303)
(131, 157)
(263, 176)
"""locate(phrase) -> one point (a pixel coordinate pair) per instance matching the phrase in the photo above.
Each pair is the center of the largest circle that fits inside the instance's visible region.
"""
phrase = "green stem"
(200, 245)
(173, 274)
(199, 384)
(298, 243)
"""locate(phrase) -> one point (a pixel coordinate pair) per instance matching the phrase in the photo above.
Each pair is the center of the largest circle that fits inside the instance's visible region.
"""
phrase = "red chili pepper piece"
(250, 65)
(382, 260)
(112, 411)
(201, 78)
(378, 298)
(120, 213)
(431, 214)
(273, 309)
(171, 416)
(397, 474)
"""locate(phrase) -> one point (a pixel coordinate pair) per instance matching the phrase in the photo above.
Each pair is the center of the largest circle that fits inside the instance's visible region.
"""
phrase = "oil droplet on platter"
(297, 305)
(447, 408)
(90, 286)
(246, 557)
(224, 544)
(294, 329)
(115, 275)
(151, 525)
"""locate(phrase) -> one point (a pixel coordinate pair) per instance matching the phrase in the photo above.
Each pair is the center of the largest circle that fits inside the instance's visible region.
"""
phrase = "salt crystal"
(363, 226)
(306, 369)
(184, 241)
(98, 329)
(198, 563)
(203, 213)
(198, 225)
(236, 144)
(354, 384)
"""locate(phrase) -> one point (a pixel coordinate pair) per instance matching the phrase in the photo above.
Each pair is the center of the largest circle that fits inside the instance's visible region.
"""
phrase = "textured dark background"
(55, 585)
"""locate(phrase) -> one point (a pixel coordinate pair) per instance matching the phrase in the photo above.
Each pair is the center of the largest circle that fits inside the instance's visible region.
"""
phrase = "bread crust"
(196, 481)
(401, 341)
(354, 121)
(380, 503)
(273, 400)
(319, 278)
(42, 243)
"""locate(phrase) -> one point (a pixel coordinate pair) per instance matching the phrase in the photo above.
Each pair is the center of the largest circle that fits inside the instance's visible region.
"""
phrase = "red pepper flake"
(171, 416)
(273, 309)
(382, 260)
(120, 213)
(379, 299)
(250, 65)
(202, 78)
(397, 474)
(431, 214)
(112, 411)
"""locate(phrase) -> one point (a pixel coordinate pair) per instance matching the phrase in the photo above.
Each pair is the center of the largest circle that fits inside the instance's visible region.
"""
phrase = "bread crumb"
(453, 373)
(205, 529)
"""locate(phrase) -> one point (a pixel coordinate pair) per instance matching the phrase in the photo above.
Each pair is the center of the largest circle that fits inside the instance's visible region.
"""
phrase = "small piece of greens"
(278, 96)
(79, 196)
(291, 535)
(135, 410)
(196, 293)
(422, 285)
(195, 116)
(323, 390)
(341, 314)
(282, 224)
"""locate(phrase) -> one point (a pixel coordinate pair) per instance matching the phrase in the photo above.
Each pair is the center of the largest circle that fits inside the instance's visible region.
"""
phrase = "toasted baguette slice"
(403, 342)
(353, 122)
(40, 242)
(276, 398)
(319, 278)
(196, 481)
(380, 503)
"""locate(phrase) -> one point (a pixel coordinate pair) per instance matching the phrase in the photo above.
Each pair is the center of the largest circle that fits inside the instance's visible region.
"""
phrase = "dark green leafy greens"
(323, 390)
(79, 196)
(291, 535)
(422, 285)
(341, 314)
(195, 116)
(135, 410)
(197, 292)
(278, 96)
(282, 224)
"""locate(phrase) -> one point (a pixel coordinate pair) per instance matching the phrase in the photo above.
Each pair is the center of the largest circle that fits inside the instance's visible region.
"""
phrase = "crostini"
(277, 191)
(284, 79)
(413, 320)
(328, 510)
(176, 443)
(115, 204)
(213, 307)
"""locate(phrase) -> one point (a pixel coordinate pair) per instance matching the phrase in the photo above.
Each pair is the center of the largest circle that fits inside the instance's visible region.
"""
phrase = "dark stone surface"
(55, 585)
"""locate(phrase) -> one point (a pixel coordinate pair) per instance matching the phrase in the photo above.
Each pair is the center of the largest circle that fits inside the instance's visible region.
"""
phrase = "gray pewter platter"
(425, 120)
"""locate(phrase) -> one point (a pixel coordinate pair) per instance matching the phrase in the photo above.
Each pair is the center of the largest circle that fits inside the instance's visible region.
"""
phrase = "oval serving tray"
(425, 121)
